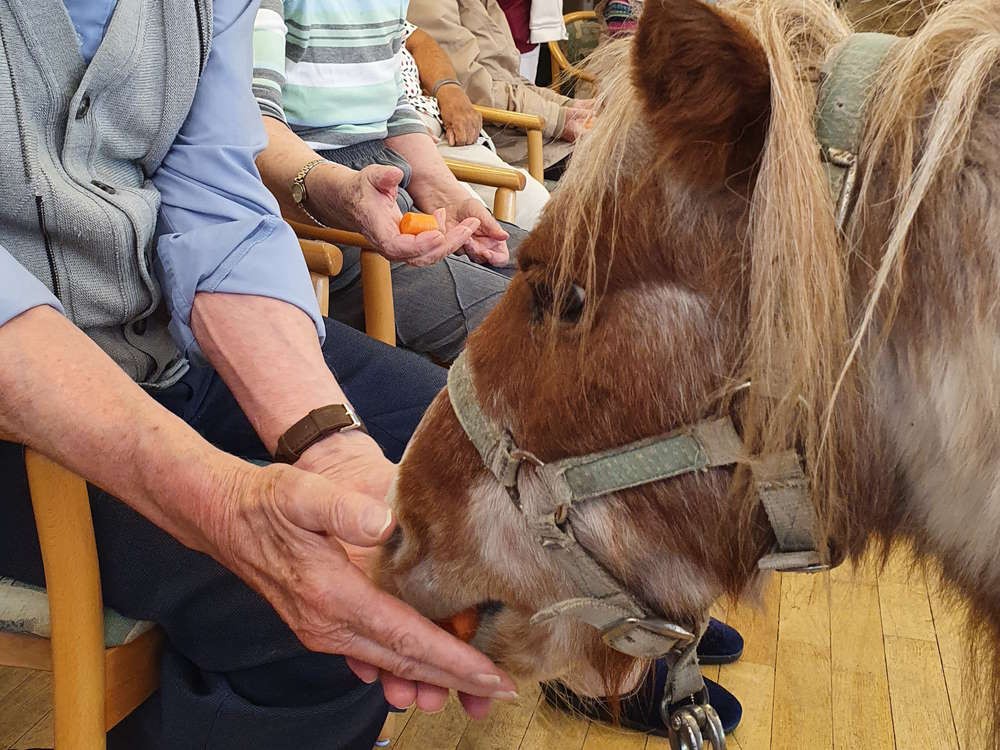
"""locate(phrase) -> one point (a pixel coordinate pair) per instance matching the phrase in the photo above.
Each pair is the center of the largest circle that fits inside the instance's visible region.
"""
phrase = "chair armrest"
(496, 177)
(520, 120)
(532, 125)
(322, 257)
(329, 234)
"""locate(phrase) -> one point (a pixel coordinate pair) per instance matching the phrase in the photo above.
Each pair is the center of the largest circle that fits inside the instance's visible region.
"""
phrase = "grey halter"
(602, 601)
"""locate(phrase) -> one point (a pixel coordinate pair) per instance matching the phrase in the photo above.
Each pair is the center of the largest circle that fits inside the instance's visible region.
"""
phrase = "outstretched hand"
(366, 201)
(488, 244)
(303, 537)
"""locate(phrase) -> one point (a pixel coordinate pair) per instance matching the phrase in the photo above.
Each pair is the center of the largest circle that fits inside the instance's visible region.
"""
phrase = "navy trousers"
(234, 676)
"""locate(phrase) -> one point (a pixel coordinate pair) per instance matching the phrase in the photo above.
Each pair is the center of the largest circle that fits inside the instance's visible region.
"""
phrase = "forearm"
(268, 354)
(432, 62)
(432, 184)
(61, 395)
(281, 161)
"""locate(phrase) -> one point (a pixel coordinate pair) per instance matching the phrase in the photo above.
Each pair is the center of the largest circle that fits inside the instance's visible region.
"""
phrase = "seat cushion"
(25, 609)
(582, 39)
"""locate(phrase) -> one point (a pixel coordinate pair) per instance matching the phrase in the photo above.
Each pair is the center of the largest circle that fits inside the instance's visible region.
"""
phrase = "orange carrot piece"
(414, 223)
(463, 625)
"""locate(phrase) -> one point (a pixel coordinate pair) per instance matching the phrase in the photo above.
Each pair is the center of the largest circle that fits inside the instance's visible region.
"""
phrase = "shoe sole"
(713, 661)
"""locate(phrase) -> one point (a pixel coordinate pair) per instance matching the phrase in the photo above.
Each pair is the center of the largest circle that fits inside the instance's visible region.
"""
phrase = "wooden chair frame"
(562, 68)
(93, 687)
(532, 125)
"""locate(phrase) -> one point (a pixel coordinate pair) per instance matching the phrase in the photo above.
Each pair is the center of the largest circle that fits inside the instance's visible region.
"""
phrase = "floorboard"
(864, 657)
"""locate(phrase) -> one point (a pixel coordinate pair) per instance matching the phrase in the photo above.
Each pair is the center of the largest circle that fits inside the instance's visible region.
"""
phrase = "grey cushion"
(25, 609)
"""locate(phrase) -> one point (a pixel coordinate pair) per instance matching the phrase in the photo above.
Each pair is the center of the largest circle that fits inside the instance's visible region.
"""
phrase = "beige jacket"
(475, 35)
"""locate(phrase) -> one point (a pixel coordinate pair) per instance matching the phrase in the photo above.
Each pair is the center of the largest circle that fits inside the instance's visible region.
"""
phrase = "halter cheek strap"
(601, 600)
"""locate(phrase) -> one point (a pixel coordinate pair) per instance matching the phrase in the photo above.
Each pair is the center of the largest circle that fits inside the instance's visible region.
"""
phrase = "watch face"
(298, 192)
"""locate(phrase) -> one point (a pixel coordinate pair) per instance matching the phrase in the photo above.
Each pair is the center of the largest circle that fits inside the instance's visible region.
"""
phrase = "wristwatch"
(299, 193)
(313, 427)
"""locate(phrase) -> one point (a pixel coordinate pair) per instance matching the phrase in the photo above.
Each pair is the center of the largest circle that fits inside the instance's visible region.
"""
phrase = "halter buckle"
(618, 635)
(848, 162)
(507, 466)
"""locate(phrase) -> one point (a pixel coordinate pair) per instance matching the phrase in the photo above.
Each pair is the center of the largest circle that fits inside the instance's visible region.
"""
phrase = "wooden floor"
(848, 660)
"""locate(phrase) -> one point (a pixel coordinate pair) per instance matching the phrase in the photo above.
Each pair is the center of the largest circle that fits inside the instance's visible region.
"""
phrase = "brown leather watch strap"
(313, 427)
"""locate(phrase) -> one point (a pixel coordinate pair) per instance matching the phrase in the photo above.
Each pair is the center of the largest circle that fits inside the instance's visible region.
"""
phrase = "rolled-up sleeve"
(220, 229)
(20, 290)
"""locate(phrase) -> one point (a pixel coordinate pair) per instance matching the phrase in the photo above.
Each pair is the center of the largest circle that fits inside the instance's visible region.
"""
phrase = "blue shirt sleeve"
(20, 290)
(220, 229)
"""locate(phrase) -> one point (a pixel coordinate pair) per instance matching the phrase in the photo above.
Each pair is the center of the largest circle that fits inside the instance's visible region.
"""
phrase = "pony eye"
(569, 306)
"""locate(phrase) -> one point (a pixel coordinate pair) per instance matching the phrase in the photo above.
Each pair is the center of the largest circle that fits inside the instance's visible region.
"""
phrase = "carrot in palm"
(414, 223)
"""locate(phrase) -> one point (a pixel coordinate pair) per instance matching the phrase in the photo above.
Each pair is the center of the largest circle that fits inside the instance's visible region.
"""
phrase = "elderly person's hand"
(488, 244)
(316, 524)
(577, 123)
(365, 200)
(462, 123)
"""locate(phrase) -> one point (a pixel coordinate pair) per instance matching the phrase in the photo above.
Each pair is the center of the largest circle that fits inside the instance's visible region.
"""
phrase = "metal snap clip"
(691, 726)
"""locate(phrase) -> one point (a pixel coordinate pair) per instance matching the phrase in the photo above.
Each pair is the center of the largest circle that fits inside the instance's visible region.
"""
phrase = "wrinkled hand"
(288, 532)
(578, 122)
(462, 123)
(365, 201)
(488, 244)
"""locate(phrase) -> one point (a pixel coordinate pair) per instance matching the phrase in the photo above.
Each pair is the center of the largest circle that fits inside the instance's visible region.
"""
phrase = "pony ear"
(706, 88)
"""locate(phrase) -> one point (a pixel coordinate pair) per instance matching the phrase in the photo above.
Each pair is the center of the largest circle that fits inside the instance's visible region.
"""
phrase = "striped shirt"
(330, 69)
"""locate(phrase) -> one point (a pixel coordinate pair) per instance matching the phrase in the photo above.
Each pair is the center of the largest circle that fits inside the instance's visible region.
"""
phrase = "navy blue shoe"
(641, 709)
(721, 644)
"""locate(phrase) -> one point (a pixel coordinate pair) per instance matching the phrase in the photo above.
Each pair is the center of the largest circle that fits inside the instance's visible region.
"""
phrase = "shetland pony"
(697, 218)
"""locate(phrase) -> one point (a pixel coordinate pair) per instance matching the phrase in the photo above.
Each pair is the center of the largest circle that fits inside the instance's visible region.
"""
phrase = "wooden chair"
(96, 680)
(532, 126)
(583, 33)
(324, 259)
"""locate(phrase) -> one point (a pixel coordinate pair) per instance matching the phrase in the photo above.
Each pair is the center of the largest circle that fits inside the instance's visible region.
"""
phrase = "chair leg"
(69, 556)
(536, 165)
(503, 205)
(376, 289)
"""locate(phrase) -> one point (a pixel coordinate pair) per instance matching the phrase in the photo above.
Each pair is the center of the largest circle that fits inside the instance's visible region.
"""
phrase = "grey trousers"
(437, 306)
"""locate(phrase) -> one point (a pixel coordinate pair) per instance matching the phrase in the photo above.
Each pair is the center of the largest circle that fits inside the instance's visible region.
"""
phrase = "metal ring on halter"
(692, 725)
(684, 732)
(715, 735)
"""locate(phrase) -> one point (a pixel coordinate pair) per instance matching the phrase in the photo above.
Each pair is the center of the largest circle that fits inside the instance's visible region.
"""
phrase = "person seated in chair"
(159, 336)
(451, 119)
(346, 150)
(476, 37)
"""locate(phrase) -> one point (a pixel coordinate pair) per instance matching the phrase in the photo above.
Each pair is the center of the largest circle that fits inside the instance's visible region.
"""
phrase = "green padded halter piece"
(846, 83)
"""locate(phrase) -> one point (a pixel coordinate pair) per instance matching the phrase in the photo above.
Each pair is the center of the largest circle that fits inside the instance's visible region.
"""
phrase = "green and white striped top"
(330, 69)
